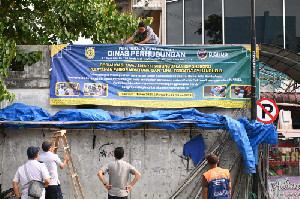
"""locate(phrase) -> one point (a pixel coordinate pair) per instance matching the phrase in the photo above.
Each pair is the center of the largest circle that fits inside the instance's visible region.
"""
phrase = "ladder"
(60, 137)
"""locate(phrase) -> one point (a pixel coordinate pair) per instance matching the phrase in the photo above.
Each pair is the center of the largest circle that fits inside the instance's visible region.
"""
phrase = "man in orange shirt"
(216, 182)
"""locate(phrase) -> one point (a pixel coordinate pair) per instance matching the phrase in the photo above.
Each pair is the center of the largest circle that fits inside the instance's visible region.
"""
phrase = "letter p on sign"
(267, 110)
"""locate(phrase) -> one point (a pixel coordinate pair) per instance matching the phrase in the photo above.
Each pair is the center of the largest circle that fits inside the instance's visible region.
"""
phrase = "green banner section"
(151, 76)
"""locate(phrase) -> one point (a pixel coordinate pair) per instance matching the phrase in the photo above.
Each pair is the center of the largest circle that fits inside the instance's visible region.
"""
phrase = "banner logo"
(218, 55)
(90, 52)
(202, 54)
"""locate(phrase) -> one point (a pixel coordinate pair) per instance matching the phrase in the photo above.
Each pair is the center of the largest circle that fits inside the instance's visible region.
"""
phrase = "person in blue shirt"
(218, 91)
(74, 89)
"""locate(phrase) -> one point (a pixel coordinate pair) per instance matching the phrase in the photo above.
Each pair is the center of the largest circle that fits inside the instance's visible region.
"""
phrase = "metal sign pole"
(253, 92)
(253, 62)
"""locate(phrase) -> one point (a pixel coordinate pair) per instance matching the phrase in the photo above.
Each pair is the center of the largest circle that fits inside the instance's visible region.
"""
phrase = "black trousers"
(116, 197)
(53, 192)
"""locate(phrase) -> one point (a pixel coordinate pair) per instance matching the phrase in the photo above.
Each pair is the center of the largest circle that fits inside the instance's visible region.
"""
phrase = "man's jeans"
(53, 192)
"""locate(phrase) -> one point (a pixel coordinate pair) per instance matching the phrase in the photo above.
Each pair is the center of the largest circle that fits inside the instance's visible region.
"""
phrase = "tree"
(213, 28)
(32, 22)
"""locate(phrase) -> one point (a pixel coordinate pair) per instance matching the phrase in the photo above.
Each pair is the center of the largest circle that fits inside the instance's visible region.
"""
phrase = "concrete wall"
(157, 154)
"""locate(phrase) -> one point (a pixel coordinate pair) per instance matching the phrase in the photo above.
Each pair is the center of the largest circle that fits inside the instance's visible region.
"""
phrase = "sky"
(83, 40)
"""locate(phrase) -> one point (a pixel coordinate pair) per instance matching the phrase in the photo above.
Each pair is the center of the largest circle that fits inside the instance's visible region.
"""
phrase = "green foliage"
(213, 28)
(7, 54)
(33, 22)
(252, 195)
(22, 58)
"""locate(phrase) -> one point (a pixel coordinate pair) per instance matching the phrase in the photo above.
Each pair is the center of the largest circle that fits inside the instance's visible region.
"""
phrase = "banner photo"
(281, 187)
(150, 75)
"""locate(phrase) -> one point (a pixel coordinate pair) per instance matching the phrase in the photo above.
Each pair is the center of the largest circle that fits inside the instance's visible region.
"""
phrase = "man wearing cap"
(36, 171)
(143, 35)
(118, 171)
(216, 182)
(51, 160)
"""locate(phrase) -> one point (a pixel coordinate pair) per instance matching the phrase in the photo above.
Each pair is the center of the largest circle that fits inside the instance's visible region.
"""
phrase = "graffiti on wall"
(183, 159)
(105, 151)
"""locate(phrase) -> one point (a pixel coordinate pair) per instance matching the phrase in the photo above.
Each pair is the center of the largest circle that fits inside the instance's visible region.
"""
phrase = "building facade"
(225, 21)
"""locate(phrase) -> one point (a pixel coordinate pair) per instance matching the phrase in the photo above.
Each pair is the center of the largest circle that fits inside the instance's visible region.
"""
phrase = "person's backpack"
(35, 189)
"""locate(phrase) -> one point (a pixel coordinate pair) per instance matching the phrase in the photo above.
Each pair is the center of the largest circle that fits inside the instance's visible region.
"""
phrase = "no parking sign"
(267, 110)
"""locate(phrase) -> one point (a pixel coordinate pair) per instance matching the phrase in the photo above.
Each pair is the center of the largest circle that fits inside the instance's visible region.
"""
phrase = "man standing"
(144, 35)
(216, 182)
(36, 171)
(51, 160)
(118, 171)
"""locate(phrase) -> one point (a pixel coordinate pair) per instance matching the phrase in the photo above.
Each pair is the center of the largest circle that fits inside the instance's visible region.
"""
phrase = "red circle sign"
(267, 110)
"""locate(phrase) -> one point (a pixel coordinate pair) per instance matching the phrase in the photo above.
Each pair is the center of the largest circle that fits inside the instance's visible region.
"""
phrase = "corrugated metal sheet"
(283, 60)
(293, 98)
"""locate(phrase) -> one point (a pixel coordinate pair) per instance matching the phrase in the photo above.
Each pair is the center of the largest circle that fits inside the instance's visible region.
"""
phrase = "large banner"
(150, 76)
(284, 187)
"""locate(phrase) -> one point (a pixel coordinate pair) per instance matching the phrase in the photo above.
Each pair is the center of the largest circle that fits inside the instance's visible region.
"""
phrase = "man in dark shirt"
(144, 35)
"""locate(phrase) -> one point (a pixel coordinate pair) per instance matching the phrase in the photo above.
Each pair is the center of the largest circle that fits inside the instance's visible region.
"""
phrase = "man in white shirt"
(60, 91)
(36, 171)
(51, 160)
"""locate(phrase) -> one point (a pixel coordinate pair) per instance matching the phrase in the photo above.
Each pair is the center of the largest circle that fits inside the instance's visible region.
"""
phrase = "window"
(292, 24)
(213, 22)
(174, 22)
(192, 20)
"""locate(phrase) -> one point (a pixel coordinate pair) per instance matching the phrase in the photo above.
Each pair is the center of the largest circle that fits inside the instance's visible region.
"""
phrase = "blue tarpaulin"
(246, 135)
(81, 115)
(22, 112)
(195, 148)
(258, 133)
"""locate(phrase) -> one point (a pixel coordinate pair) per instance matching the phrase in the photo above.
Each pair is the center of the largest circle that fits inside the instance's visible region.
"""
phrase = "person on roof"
(143, 35)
